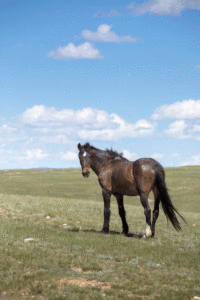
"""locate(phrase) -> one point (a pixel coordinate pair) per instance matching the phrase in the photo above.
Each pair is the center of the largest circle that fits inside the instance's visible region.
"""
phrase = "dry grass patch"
(80, 270)
(83, 282)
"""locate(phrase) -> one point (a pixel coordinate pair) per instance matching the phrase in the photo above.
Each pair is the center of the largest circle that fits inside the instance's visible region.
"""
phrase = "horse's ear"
(79, 146)
(87, 146)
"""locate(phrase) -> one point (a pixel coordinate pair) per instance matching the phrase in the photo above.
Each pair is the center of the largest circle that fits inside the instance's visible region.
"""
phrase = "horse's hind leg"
(156, 210)
(122, 212)
(147, 212)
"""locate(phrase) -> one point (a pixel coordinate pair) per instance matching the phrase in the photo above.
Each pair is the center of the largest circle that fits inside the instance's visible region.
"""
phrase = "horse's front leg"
(106, 198)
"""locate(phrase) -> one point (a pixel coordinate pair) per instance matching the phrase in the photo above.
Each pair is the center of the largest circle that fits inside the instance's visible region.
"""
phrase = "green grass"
(68, 258)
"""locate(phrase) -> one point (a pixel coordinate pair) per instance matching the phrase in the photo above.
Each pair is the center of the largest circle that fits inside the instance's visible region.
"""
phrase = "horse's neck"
(97, 163)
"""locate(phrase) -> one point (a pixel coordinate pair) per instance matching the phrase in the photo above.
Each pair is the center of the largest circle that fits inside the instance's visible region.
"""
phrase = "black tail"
(167, 205)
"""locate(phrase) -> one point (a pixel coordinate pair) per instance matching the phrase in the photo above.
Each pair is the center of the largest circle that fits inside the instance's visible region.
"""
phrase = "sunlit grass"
(66, 257)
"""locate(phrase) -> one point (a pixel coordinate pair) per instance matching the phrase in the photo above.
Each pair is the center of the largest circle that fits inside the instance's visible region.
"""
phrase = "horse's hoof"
(147, 236)
(124, 232)
(148, 232)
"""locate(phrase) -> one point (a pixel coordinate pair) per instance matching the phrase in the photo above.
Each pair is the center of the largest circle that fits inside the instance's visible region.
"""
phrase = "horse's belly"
(125, 187)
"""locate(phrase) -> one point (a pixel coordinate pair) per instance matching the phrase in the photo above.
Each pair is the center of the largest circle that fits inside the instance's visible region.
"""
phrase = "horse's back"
(147, 164)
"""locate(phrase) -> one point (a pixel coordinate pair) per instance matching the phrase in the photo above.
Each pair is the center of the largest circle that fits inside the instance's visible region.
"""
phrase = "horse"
(119, 176)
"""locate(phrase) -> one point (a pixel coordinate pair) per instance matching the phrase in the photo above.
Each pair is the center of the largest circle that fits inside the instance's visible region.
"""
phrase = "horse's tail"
(167, 205)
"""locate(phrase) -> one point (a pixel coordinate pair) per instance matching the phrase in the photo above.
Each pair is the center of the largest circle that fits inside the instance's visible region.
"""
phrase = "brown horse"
(119, 176)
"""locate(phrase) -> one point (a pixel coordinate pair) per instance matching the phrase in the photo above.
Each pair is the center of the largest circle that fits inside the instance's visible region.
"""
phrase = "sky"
(117, 74)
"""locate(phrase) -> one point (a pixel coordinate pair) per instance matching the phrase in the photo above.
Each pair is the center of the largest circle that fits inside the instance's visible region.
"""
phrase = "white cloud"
(29, 156)
(43, 130)
(86, 124)
(194, 160)
(36, 154)
(176, 130)
(40, 115)
(187, 109)
(144, 127)
(10, 134)
(57, 139)
(46, 134)
(5, 128)
(104, 34)
(50, 135)
(83, 51)
(182, 130)
(186, 113)
(196, 128)
(191, 4)
(164, 7)
(112, 13)
(69, 156)
(122, 130)
(130, 155)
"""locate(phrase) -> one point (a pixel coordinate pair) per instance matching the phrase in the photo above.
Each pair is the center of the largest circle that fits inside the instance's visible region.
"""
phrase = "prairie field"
(51, 248)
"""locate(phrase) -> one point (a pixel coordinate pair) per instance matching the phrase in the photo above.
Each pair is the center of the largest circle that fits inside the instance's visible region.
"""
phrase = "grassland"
(51, 248)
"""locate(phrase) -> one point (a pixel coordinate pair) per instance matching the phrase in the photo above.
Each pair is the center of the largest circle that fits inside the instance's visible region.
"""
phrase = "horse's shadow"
(130, 235)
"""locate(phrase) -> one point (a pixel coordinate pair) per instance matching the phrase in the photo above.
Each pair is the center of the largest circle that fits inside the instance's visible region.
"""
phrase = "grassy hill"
(61, 213)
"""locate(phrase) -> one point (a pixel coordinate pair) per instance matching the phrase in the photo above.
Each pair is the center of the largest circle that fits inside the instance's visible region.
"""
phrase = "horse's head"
(85, 159)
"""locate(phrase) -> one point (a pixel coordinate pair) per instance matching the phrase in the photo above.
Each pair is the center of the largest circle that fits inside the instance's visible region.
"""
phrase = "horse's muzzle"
(86, 174)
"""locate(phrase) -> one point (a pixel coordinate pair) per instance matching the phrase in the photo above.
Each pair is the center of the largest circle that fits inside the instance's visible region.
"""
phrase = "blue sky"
(117, 74)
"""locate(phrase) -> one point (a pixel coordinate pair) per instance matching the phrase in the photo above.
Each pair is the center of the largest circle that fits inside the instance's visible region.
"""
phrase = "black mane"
(111, 153)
